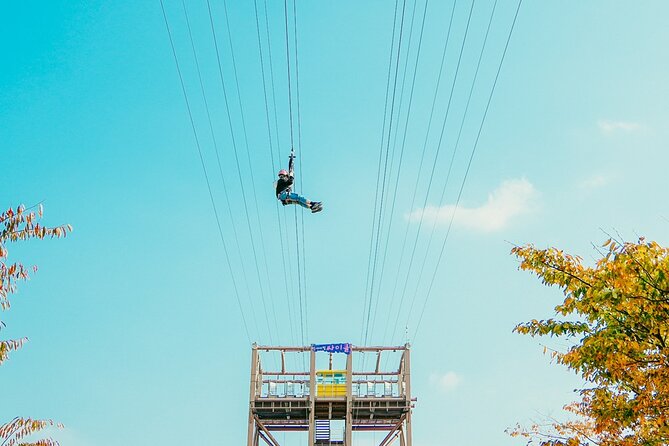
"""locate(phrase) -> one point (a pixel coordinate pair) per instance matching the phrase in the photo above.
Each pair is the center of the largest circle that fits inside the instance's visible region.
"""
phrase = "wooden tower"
(330, 404)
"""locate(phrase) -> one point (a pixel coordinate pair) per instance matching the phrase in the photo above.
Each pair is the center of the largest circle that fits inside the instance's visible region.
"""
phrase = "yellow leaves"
(553, 433)
(620, 306)
(10, 345)
(16, 430)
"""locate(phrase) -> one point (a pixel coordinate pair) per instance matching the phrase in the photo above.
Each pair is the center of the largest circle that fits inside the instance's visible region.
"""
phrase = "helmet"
(283, 172)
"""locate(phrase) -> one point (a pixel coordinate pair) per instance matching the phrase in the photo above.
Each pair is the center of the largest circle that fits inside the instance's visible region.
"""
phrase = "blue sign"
(332, 348)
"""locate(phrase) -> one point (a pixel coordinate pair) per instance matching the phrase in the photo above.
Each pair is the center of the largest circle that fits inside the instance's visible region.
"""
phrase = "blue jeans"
(292, 197)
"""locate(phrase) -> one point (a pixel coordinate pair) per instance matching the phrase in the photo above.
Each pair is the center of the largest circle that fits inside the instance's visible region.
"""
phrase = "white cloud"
(595, 181)
(445, 382)
(511, 199)
(608, 127)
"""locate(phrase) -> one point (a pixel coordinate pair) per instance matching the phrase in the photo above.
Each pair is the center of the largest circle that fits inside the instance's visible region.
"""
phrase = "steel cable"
(204, 170)
(469, 164)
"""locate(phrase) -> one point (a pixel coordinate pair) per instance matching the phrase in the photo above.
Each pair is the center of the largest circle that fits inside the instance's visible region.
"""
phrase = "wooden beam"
(370, 373)
(377, 349)
(386, 441)
(267, 348)
(348, 426)
(250, 440)
(407, 379)
(261, 435)
(312, 398)
(267, 434)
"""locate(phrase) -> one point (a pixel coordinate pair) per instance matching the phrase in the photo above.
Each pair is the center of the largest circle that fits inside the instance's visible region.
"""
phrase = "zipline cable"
(204, 169)
(469, 164)
(218, 158)
(422, 159)
(290, 93)
(390, 215)
(455, 150)
(248, 156)
(299, 146)
(388, 169)
(383, 187)
(239, 171)
(378, 172)
(271, 73)
(292, 145)
(406, 125)
(274, 170)
(436, 157)
(278, 145)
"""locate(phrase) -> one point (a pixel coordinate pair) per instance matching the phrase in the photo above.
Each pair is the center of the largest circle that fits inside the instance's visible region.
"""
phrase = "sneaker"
(316, 206)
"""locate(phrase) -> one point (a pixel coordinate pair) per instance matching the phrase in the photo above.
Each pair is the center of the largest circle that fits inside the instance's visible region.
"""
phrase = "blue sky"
(135, 333)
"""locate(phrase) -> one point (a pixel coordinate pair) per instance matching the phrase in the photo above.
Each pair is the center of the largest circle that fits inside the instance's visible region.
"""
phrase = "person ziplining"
(284, 186)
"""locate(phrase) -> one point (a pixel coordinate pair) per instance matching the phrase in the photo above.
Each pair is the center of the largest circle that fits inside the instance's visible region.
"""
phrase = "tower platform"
(330, 404)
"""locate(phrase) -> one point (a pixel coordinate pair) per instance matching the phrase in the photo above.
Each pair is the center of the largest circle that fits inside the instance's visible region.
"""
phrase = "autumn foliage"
(15, 431)
(20, 224)
(615, 316)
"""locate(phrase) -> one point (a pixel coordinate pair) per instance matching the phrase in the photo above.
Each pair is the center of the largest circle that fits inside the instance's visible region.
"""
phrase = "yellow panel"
(326, 390)
(331, 383)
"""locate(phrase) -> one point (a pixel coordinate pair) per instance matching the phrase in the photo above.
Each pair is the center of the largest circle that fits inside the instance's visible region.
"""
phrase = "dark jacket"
(284, 184)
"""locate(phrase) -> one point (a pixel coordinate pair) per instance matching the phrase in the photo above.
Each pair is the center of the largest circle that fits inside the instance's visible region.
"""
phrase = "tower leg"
(312, 398)
(402, 441)
(408, 429)
(250, 440)
(348, 436)
(252, 437)
(407, 364)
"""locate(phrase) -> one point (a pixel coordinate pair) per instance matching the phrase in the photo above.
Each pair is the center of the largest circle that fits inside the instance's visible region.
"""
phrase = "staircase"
(324, 435)
(323, 432)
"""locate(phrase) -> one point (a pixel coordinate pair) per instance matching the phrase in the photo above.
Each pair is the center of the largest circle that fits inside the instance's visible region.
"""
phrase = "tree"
(615, 315)
(20, 224)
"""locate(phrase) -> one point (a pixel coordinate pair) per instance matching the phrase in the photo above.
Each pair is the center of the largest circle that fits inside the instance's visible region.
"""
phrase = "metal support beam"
(407, 379)
(392, 434)
(272, 441)
(265, 439)
(348, 433)
(306, 348)
(395, 437)
(312, 398)
(250, 438)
